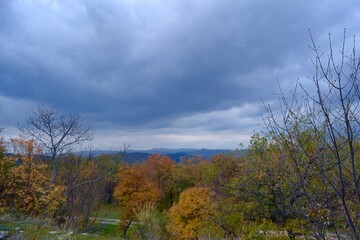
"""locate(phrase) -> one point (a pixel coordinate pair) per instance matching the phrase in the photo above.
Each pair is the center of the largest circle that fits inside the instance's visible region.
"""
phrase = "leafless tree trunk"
(59, 134)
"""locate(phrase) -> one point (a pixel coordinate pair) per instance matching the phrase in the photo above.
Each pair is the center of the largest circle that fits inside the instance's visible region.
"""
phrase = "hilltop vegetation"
(225, 197)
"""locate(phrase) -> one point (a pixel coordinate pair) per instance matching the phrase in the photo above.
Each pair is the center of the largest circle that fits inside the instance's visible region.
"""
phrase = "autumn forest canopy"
(300, 177)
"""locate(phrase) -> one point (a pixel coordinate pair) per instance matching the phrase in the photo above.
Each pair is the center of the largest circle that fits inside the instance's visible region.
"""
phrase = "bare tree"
(58, 134)
(322, 132)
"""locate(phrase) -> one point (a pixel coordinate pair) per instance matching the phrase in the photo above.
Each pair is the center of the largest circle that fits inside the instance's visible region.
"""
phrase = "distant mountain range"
(175, 154)
(138, 156)
(133, 156)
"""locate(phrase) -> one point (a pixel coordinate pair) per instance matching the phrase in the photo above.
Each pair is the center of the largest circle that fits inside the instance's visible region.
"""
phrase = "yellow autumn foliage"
(27, 188)
(133, 192)
(191, 214)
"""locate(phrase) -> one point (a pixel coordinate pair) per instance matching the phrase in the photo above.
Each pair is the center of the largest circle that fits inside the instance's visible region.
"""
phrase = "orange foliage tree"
(160, 170)
(133, 193)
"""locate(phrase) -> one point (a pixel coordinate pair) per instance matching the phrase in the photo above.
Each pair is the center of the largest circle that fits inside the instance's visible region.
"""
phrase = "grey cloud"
(147, 64)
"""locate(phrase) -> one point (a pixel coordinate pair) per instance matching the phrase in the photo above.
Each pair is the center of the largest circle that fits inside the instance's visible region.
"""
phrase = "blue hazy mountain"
(175, 154)
(138, 156)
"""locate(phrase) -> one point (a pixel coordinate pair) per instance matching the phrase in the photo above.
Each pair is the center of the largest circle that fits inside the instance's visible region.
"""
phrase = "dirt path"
(109, 221)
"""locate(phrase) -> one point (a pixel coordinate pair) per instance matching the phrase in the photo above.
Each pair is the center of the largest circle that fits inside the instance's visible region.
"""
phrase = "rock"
(66, 236)
(3, 235)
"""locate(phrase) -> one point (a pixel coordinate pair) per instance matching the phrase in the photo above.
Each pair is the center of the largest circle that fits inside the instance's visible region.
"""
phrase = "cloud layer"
(160, 73)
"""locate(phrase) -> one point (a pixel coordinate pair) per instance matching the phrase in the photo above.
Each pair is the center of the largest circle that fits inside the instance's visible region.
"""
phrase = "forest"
(299, 178)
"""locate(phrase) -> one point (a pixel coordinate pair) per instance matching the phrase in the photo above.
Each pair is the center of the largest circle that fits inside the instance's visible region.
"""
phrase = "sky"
(161, 73)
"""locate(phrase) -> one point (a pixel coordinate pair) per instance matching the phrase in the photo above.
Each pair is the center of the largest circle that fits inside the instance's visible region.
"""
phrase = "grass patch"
(33, 228)
(110, 210)
(104, 229)
(26, 228)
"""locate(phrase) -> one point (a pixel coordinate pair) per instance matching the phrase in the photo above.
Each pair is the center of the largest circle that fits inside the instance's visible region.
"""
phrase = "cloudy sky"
(161, 73)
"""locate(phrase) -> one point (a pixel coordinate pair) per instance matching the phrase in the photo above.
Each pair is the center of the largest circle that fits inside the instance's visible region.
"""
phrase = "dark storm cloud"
(143, 64)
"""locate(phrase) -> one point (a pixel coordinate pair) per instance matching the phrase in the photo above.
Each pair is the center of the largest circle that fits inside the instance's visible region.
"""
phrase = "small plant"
(149, 223)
